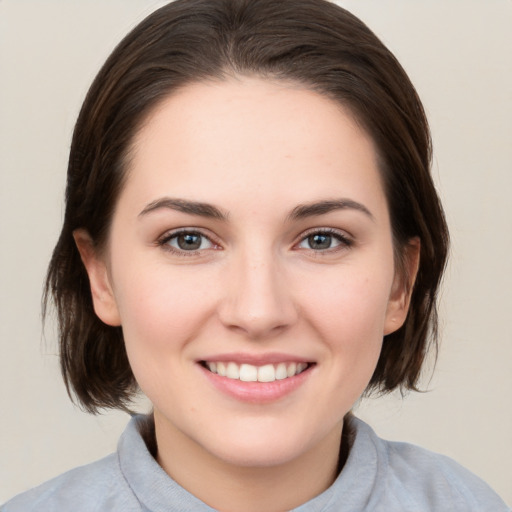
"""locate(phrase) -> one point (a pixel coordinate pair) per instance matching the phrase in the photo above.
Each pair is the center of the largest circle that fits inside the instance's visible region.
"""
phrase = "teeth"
(281, 371)
(266, 373)
(301, 367)
(250, 373)
(221, 369)
(291, 369)
(232, 371)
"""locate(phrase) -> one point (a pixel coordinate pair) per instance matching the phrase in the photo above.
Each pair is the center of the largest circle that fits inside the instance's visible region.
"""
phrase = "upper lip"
(256, 359)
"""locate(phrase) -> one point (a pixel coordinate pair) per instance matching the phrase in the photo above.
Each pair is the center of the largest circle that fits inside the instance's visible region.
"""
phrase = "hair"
(310, 42)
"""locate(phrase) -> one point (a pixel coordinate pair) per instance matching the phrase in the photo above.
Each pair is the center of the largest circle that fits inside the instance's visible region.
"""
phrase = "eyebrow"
(185, 206)
(322, 207)
(209, 211)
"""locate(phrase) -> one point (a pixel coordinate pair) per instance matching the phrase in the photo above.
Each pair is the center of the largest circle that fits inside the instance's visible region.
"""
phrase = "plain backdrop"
(458, 54)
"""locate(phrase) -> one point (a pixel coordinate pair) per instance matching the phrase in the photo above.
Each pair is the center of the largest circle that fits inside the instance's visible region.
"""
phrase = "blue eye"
(188, 241)
(323, 241)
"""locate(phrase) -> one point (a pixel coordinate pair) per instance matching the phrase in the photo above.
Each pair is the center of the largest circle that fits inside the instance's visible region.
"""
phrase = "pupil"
(319, 241)
(189, 242)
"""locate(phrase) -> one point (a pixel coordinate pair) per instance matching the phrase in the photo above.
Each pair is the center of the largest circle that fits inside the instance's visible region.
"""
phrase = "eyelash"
(345, 242)
(163, 242)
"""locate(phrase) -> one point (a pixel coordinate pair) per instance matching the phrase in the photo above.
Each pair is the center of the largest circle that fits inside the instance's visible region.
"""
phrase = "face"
(250, 264)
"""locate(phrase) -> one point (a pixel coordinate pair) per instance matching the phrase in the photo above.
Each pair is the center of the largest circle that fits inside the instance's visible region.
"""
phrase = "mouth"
(251, 373)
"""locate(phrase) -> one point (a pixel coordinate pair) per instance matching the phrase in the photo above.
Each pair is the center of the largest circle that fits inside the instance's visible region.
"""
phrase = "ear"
(403, 283)
(103, 298)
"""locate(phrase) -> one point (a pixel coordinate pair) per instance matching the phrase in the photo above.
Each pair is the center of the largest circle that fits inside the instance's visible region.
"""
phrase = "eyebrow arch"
(322, 207)
(185, 206)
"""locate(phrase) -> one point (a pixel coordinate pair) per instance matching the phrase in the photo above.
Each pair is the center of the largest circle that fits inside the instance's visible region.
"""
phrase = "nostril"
(256, 300)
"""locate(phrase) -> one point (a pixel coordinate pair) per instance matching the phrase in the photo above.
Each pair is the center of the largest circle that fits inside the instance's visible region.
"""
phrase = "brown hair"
(313, 42)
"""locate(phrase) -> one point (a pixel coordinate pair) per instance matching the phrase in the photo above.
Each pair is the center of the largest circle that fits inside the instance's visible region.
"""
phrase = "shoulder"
(439, 480)
(422, 480)
(98, 486)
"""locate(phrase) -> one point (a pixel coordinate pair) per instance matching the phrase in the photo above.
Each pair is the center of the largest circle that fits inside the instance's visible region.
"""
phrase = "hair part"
(311, 42)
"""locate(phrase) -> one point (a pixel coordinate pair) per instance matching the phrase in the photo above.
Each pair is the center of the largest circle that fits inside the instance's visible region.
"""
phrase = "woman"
(252, 237)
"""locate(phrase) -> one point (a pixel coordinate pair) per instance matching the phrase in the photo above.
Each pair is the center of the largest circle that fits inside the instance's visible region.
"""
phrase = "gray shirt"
(378, 476)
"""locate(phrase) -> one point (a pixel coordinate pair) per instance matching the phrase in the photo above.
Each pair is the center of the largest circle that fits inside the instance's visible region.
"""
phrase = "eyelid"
(346, 240)
(162, 240)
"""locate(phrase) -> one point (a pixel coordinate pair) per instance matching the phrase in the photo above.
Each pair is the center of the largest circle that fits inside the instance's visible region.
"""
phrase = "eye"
(186, 241)
(324, 240)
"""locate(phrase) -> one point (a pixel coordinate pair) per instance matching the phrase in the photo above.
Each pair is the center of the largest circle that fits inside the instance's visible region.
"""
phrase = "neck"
(228, 487)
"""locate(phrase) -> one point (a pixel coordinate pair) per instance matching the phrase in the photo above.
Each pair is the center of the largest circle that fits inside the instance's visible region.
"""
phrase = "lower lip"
(257, 392)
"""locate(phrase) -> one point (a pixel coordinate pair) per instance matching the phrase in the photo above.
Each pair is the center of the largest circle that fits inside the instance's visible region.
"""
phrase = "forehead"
(218, 140)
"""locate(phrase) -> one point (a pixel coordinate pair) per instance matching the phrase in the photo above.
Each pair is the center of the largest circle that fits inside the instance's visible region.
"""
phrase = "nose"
(258, 300)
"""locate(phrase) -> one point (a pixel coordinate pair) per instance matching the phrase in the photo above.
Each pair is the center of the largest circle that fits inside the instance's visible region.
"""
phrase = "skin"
(256, 150)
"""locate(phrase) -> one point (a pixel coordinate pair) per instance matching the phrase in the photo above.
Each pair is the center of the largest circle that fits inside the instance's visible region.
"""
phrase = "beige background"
(457, 53)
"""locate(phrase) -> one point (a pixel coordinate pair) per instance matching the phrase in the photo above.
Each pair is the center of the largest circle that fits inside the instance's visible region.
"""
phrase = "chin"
(260, 454)
(264, 445)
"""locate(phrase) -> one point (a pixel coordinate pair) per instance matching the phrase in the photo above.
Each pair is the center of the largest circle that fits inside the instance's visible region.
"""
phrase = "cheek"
(349, 315)
(160, 319)
(161, 310)
(352, 305)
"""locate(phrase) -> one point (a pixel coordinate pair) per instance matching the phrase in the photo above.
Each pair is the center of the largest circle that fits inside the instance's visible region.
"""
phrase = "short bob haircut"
(313, 43)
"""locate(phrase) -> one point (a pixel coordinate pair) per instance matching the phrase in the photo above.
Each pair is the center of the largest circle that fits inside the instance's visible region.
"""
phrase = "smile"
(250, 373)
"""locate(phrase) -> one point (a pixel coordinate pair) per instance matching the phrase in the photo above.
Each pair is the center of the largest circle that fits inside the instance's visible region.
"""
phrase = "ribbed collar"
(354, 490)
